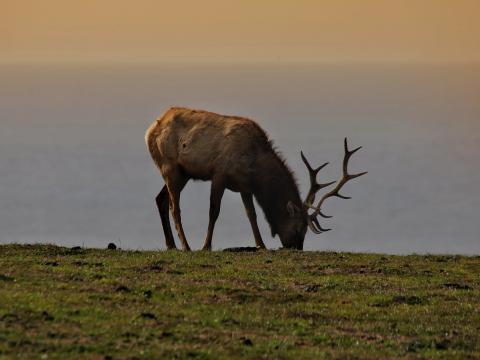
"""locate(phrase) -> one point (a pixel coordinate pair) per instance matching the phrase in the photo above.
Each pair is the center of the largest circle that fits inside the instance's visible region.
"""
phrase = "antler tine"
(311, 170)
(305, 161)
(348, 154)
(312, 227)
(312, 221)
(319, 211)
(314, 185)
(318, 226)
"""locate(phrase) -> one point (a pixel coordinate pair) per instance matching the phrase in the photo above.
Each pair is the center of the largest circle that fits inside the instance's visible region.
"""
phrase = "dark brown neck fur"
(276, 186)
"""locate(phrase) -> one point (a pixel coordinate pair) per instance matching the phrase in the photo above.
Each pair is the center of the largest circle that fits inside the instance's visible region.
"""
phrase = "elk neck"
(274, 187)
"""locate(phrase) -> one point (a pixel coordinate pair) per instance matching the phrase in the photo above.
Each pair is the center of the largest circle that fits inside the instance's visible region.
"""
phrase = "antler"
(313, 223)
(314, 186)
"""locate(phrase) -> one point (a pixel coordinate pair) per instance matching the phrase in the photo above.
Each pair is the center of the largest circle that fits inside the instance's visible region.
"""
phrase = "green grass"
(85, 303)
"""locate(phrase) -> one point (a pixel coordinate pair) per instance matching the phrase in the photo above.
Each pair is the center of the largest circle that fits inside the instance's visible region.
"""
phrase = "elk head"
(301, 218)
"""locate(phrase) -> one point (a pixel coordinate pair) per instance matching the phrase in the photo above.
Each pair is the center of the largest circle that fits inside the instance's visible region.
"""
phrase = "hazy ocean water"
(74, 169)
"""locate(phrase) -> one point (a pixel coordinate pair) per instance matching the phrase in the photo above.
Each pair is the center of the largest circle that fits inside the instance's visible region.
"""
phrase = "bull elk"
(234, 153)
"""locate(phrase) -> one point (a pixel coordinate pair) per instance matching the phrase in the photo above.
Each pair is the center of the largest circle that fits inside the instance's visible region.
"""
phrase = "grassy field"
(107, 304)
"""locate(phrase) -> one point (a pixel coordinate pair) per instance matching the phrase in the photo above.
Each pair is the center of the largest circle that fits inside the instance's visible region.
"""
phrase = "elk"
(234, 153)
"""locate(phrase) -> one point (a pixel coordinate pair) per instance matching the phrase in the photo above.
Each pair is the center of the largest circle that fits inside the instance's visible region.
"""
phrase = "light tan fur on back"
(203, 143)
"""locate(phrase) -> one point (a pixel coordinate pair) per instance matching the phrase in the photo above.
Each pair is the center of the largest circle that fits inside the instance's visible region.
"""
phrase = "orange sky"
(243, 31)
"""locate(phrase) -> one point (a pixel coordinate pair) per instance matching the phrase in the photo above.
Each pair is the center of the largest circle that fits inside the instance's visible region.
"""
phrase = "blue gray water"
(74, 169)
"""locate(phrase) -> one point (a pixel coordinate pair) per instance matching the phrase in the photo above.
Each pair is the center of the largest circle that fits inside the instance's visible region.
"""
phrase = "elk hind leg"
(216, 195)
(176, 181)
(247, 199)
(163, 201)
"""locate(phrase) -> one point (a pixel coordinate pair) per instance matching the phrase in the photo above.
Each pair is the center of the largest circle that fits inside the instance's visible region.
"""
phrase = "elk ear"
(292, 209)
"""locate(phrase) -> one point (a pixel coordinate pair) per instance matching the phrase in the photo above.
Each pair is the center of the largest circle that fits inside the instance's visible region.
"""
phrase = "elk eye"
(292, 209)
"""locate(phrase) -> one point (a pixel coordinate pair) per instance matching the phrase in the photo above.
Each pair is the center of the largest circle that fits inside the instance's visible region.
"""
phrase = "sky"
(246, 31)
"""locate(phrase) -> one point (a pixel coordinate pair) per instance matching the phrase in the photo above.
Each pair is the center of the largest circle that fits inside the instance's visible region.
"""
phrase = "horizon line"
(151, 63)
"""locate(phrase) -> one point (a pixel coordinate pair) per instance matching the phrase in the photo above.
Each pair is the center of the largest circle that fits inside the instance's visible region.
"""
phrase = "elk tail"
(151, 141)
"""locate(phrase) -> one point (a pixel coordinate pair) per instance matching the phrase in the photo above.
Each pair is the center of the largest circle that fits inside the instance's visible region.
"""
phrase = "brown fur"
(233, 153)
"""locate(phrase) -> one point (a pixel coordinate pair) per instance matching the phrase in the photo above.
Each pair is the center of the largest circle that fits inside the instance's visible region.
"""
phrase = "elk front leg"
(162, 201)
(216, 195)
(175, 184)
(252, 217)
